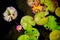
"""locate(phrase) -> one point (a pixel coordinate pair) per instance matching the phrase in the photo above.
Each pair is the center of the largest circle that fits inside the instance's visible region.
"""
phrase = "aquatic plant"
(33, 33)
(18, 28)
(30, 32)
(49, 4)
(57, 11)
(10, 14)
(40, 18)
(37, 2)
(55, 35)
(23, 37)
(42, 1)
(27, 22)
(52, 24)
(33, 2)
(36, 9)
(57, 27)
(35, 5)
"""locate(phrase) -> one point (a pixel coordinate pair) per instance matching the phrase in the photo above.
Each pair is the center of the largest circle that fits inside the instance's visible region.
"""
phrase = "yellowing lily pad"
(55, 35)
(40, 18)
(57, 11)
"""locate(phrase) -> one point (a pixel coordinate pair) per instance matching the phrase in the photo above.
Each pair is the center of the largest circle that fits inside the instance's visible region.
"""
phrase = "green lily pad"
(23, 37)
(42, 1)
(33, 32)
(50, 5)
(27, 22)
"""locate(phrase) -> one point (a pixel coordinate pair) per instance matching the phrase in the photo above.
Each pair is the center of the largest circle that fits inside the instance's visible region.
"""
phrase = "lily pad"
(57, 11)
(55, 35)
(23, 37)
(40, 18)
(33, 33)
(27, 22)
